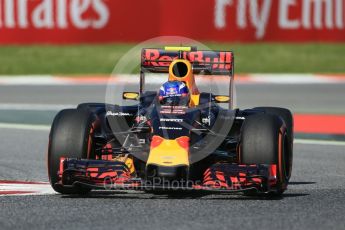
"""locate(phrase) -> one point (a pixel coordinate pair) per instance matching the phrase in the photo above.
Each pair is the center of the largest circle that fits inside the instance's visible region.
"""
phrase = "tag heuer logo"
(110, 113)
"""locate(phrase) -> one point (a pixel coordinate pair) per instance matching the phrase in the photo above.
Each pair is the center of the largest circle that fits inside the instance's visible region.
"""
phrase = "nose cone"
(168, 159)
(169, 153)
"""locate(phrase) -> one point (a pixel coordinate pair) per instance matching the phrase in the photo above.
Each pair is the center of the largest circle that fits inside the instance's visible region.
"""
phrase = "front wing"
(115, 175)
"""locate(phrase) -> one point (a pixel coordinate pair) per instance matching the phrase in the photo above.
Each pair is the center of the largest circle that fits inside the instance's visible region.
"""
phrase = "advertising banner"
(97, 21)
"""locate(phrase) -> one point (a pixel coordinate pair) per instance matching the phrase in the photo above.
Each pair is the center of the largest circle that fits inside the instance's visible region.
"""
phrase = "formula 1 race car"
(203, 144)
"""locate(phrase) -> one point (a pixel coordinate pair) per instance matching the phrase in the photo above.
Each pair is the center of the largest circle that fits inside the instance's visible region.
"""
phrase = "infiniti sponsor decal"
(171, 120)
(170, 128)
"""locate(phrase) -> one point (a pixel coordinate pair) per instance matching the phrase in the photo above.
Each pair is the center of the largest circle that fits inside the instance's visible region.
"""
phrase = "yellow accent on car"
(195, 99)
(178, 48)
(130, 164)
(128, 160)
(168, 153)
(132, 96)
(222, 99)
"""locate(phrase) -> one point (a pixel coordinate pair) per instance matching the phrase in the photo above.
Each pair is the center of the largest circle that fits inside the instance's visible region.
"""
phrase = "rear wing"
(203, 61)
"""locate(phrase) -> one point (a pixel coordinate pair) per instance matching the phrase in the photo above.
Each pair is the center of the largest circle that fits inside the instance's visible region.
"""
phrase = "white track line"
(128, 78)
(319, 142)
(24, 126)
(35, 107)
(28, 80)
(292, 79)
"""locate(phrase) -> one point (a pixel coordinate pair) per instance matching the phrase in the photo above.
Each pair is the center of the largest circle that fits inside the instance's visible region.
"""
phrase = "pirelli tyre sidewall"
(264, 140)
(287, 117)
(71, 136)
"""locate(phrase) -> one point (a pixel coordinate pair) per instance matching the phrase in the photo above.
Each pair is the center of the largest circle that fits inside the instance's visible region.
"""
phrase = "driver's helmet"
(174, 93)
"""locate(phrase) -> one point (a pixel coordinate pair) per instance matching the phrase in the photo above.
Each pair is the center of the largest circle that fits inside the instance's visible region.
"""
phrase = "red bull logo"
(171, 91)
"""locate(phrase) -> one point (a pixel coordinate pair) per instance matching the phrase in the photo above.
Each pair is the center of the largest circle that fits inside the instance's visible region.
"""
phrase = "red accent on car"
(61, 169)
(183, 142)
(156, 141)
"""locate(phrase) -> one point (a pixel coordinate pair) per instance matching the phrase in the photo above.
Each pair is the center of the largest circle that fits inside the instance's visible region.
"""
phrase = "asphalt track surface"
(312, 98)
(315, 198)
(42, 102)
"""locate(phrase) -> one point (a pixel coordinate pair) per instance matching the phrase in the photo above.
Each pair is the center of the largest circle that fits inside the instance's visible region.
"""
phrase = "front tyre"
(71, 136)
(264, 140)
(287, 117)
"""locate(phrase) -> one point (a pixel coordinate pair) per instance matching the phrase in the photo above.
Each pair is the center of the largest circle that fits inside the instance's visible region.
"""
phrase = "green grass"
(101, 59)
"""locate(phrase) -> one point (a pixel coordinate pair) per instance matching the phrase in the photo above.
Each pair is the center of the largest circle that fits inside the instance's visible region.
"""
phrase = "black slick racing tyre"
(287, 117)
(71, 136)
(264, 140)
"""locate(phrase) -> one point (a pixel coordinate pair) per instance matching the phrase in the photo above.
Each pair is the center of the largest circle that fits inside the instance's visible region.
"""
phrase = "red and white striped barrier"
(20, 188)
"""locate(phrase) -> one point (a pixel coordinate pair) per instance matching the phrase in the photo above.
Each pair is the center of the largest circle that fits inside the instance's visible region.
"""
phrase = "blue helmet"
(174, 93)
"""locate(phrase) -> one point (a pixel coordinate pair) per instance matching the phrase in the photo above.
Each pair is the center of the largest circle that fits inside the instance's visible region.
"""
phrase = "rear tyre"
(287, 117)
(71, 136)
(264, 140)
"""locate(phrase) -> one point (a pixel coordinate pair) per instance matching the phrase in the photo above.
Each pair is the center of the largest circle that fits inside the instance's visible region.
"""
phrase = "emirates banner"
(95, 21)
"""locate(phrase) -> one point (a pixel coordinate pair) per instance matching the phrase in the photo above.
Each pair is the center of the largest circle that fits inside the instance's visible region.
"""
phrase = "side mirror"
(130, 96)
(221, 99)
